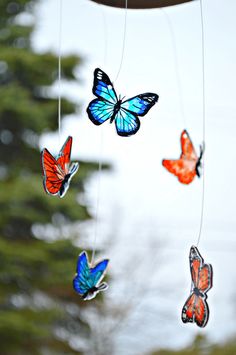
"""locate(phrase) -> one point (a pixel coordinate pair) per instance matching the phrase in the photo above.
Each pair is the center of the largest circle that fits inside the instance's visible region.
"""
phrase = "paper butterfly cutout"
(87, 279)
(57, 171)
(108, 107)
(196, 308)
(188, 165)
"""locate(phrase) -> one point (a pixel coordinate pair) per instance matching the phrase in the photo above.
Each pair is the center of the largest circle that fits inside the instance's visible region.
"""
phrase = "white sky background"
(140, 201)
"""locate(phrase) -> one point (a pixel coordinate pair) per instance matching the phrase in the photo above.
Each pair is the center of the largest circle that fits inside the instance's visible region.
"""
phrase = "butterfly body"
(195, 309)
(87, 281)
(189, 164)
(116, 110)
(92, 292)
(107, 106)
(197, 292)
(57, 171)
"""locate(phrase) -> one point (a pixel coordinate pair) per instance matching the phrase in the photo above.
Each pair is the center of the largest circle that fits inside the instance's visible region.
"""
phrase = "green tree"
(40, 312)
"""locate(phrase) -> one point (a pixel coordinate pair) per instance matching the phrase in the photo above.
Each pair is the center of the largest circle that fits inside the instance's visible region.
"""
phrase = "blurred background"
(146, 221)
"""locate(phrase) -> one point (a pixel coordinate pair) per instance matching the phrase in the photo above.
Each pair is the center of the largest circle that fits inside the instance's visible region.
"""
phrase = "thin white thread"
(98, 189)
(176, 64)
(96, 223)
(123, 45)
(59, 70)
(104, 35)
(203, 121)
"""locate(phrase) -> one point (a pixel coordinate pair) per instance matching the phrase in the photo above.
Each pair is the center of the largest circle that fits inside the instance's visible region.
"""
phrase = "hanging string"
(97, 208)
(59, 71)
(104, 22)
(98, 188)
(176, 64)
(123, 45)
(203, 121)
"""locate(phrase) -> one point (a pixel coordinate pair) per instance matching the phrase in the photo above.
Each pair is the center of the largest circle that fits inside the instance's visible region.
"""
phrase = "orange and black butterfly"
(196, 308)
(57, 171)
(188, 165)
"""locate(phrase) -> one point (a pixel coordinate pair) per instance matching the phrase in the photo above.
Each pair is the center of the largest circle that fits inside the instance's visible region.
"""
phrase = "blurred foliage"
(40, 312)
(201, 346)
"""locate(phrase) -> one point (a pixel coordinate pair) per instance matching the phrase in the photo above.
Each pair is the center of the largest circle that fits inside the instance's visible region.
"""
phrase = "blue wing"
(127, 123)
(82, 281)
(99, 111)
(98, 271)
(103, 88)
(140, 104)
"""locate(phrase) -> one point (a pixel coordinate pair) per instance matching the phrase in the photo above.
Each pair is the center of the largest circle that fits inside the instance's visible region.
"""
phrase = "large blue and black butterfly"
(108, 106)
(87, 281)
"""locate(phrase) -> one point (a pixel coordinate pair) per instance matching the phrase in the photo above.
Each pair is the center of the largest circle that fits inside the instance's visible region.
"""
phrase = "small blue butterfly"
(108, 106)
(87, 279)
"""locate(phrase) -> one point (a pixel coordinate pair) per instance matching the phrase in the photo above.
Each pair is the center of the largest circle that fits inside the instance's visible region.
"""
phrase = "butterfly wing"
(102, 109)
(126, 120)
(82, 282)
(52, 172)
(183, 169)
(188, 150)
(99, 111)
(66, 183)
(205, 278)
(188, 309)
(126, 123)
(63, 158)
(140, 104)
(196, 310)
(97, 273)
(201, 311)
(103, 88)
(196, 262)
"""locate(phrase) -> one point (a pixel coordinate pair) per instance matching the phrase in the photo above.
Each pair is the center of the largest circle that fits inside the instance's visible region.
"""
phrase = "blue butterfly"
(108, 106)
(87, 279)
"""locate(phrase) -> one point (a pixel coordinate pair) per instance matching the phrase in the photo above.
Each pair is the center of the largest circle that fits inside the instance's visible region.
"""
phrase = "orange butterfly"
(196, 308)
(188, 165)
(57, 172)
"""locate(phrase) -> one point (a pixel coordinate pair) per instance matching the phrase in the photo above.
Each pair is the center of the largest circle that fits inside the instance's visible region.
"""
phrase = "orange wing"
(63, 158)
(185, 170)
(195, 270)
(201, 273)
(205, 278)
(52, 172)
(185, 167)
(188, 151)
(196, 310)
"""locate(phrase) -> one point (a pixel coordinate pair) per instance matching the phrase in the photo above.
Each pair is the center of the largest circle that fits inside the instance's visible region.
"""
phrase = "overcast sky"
(140, 196)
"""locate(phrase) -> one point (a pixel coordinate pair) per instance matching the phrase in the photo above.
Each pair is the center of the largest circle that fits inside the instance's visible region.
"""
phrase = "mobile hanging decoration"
(107, 106)
(196, 309)
(57, 172)
(87, 281)
(189, 164)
